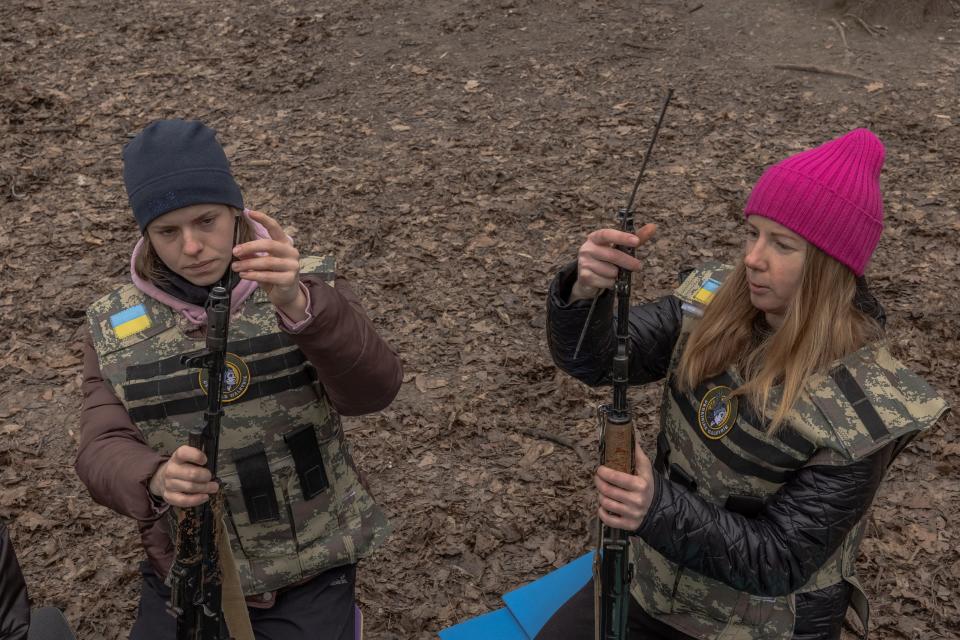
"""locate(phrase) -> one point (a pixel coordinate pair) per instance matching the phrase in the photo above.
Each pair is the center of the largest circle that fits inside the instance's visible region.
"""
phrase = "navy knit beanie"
(173, 164)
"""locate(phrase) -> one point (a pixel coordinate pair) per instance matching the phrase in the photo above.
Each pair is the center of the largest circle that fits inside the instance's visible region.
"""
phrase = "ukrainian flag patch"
(706, 292)
(130, 321)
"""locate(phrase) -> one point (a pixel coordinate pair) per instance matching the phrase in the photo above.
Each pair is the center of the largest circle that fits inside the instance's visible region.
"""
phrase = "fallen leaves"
(452, 158)
(32, 521)
(426, 383)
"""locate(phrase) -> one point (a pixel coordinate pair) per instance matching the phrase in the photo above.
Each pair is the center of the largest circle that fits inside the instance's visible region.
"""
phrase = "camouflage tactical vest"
(718, 447)
(295, 504)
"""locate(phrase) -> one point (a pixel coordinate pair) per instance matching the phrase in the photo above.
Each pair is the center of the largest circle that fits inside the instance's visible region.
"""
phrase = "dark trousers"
(574, 621)
(321, 609)
(47, 623)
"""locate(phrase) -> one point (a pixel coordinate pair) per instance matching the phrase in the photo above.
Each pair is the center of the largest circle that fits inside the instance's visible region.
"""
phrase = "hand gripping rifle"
(197, 581)
(611, 566)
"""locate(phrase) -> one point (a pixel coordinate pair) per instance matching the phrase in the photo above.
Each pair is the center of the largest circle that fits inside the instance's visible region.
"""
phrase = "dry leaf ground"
(451, 155)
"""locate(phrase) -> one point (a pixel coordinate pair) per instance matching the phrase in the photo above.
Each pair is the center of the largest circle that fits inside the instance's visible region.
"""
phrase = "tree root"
(563, 442)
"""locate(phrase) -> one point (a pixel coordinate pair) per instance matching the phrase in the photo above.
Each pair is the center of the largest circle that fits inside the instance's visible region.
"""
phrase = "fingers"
(600, 257)
(630, 492)
(186, 482)
(644, 468)
(611, 237)
(616, 521)
(265, 246)
(268, 264)
(188, 478)
(272, 226)
(278, 245)
(625, 498)
(620, 509)
(178, 485)
(618, 479)
(596, 255)
(188, 454)
(646, 232)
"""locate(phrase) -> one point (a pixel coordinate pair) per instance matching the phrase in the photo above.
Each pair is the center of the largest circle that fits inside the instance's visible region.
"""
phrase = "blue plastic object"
(499, 625)
(528, 607)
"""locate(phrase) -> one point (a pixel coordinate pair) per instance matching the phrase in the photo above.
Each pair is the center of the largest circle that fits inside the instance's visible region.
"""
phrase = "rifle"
(197, 582)
(611, 565)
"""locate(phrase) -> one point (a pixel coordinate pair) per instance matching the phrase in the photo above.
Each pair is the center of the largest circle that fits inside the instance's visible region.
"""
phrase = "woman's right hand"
(183, 481)
(598, 260)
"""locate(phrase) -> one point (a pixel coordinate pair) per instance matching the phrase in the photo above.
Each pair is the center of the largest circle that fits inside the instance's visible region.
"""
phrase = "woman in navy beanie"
(296, 515)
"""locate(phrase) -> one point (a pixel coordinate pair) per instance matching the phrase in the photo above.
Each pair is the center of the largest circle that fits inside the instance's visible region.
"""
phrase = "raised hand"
(274, 263)
(598, 259)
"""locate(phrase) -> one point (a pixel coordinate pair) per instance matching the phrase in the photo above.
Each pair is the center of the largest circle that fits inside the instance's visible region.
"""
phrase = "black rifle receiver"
(197, 580)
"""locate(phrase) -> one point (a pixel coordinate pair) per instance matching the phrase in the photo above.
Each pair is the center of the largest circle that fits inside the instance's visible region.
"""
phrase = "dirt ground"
(452, 155)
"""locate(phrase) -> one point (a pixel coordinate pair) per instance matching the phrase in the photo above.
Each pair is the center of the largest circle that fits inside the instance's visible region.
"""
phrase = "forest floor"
(452, 155)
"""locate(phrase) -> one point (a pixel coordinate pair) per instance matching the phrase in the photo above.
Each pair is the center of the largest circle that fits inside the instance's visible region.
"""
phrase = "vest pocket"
(755, 610)
(256, 483)
(701, 597)
(313, 487)
(308, 461)
(258, 539)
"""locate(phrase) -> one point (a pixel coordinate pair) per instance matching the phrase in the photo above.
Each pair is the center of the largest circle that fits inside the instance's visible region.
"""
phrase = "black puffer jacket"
(14, 610)
(773, 553)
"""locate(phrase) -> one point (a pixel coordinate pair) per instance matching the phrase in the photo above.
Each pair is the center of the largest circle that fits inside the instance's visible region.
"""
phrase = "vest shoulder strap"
(324, 267)
(871, 399)
(700, 286)
(124, 317)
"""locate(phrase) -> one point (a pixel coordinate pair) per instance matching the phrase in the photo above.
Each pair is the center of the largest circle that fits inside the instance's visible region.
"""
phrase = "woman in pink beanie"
(782, 410)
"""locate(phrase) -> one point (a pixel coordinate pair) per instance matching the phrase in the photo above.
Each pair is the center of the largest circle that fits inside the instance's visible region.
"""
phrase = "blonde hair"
(821, 325)
(151, 268)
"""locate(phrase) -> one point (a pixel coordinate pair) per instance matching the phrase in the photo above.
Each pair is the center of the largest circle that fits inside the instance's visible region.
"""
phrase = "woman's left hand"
(625, 498)
(275, 264)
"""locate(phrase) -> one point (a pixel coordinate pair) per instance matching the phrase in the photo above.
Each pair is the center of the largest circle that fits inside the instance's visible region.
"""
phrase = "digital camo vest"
(295, 504)
(718, 447)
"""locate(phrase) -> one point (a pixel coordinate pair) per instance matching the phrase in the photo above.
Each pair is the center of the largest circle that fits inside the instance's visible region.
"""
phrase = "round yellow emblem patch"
(718, 412)
(236, 378)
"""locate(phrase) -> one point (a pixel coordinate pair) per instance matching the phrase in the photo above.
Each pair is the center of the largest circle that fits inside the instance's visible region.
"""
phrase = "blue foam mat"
(533, 604)
(528, 607)
(499, 625)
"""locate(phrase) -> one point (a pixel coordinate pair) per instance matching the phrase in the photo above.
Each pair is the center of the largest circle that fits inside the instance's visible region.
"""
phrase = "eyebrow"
(777, 234)
(164, 227)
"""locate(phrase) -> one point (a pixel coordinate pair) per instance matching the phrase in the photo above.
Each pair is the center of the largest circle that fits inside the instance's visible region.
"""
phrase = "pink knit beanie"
(830, 195)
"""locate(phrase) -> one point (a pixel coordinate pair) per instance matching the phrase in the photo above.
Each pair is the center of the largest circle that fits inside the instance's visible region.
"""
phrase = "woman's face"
(195, 242)
(774, 259)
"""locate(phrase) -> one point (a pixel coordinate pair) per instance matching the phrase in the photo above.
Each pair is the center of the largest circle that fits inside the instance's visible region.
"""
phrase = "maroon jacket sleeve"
(359, 371)
(14, 610)
(113, 460)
